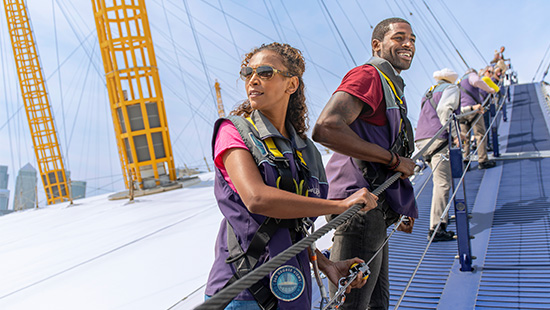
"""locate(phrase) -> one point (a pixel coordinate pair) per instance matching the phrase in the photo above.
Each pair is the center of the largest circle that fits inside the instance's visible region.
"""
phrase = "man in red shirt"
(365, 122)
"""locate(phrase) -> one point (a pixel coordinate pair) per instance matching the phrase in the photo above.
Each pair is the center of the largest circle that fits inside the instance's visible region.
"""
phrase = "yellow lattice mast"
(137, 104)
(37, 105)
(221, 110)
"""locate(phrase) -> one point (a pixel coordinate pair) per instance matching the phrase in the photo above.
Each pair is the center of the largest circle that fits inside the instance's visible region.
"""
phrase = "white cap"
(446, 74)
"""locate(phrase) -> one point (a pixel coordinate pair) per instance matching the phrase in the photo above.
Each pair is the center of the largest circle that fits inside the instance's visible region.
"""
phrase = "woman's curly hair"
(293, 60)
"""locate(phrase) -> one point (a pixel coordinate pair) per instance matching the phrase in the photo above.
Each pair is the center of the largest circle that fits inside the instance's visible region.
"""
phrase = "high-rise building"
(78, 189)
(25, 189)
(4, 192)
(4, 177)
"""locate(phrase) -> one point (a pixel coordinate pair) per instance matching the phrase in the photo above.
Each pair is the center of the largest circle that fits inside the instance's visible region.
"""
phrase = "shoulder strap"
(285, 181)
(404, 144)
(429, 95)
(468, 93)
(244, 262)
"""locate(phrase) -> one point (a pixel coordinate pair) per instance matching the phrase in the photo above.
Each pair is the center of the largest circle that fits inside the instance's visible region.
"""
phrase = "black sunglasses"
(263, 72)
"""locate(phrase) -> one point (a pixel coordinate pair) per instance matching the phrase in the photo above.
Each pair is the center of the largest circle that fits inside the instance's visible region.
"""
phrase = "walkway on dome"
(510, 221)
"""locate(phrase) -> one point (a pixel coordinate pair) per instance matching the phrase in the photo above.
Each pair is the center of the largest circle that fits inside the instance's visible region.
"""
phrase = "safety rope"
(337, 299)
(431, 238)
(220, 299)
(484, 104)
(444, 214)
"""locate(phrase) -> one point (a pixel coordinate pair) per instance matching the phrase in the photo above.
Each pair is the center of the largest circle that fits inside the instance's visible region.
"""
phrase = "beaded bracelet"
(391, 160)
(393, 167)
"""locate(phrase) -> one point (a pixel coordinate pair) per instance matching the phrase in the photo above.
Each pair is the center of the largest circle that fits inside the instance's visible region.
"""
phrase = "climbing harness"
(403, 145)
(218, 300)
(245, 261)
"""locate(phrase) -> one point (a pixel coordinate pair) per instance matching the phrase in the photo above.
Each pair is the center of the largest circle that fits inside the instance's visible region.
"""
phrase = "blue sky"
(75, 78)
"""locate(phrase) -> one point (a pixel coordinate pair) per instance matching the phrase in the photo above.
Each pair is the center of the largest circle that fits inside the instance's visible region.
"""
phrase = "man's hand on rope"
(406, 166)
(337, 270)
(406, 225)
(479, 108)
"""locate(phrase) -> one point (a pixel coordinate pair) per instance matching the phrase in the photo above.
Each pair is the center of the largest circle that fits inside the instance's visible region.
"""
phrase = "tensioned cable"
(218, 300)
(463, 31)
(400, 9)
(424, 42)
(188, 295)
(229, 29)
(484, 104)
(61, 94)
(443, 215)
(108, 252)
(431, 239)
(445, 32)
(364, 15)
(199, 49)
(79, 103)
(277, 19)
(271, 39)
(200, 35)
(239, 3)
(352, 27)
(540, 64)
(180, 69)
(387, 239)
(306, 50)
(7, 107)
(434, 38)
(545, 72)
(273, 21)
(102, 75)
(338, 31)
(389, 7)
(69, 56)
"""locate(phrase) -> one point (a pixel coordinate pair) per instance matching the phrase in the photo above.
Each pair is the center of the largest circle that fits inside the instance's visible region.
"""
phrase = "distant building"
(78, 189)
(4, 177)
(25, 189)
(4, 192)
(4, 199)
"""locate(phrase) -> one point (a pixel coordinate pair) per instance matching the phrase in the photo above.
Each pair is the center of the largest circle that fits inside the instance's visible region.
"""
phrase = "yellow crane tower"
(221, 110)
(137, 104)
(35, 99)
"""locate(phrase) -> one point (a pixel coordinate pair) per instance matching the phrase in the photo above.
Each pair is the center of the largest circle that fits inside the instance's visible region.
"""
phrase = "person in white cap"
(438, 103)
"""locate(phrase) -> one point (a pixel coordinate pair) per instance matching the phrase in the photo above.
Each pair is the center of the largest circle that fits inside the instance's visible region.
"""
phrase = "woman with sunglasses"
(269, 180)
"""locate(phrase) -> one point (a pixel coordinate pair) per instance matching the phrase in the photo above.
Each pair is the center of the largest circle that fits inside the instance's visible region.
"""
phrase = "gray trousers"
(442, 179)
(479, 132)
(361, 236)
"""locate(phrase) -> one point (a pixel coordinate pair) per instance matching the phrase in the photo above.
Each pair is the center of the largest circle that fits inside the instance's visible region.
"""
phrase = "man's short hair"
(384, 26)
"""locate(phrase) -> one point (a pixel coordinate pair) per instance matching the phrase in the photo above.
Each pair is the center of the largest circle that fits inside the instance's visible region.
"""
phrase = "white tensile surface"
(101, 254)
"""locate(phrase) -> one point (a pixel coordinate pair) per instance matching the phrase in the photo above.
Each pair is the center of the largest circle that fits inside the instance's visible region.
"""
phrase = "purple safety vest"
(466, 99)
(244, 223)
(345, 177)
(428, 122)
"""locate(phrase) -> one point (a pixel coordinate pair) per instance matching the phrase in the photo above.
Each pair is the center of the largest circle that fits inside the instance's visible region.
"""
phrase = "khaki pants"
(442, 179)
(479, 132)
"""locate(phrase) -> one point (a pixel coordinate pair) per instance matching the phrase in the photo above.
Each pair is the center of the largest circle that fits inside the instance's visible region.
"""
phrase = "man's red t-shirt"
(364, 83)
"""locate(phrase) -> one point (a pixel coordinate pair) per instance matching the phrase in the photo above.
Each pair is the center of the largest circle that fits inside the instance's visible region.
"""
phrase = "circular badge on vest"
(287, 283)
